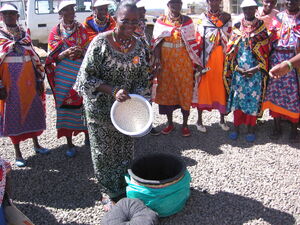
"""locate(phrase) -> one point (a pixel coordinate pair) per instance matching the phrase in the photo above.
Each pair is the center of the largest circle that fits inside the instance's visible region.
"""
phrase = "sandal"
(233, 135)
(168, 129)
(107, 204)
(20, 162)
(250, 137)
(42, 151)
(186, 132)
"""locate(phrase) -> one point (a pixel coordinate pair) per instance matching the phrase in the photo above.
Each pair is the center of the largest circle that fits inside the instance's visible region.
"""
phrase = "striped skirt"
(69, 120)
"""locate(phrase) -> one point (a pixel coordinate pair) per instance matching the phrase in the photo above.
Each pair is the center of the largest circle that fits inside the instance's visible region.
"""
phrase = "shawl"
(187, 30)
(208, 33)
(55, 43)
(91, 32)
(286, 31)
(7, 44)
(4, 170)
(259, 42)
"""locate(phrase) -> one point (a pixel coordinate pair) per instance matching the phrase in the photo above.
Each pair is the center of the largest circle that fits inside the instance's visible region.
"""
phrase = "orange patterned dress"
(175, 82)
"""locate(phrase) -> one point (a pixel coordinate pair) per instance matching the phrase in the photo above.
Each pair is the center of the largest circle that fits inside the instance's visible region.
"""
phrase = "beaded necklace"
(101, 23)
(123, 45)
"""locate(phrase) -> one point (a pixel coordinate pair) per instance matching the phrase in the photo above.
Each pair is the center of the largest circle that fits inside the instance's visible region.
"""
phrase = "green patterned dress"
(112, 151)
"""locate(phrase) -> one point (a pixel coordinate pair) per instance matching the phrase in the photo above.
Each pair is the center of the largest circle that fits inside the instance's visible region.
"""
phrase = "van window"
(19, 5)
(48, 7)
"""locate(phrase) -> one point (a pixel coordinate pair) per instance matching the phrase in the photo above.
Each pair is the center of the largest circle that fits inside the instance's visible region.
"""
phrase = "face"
(214, 5)
(101, 12)
(175, 6)
(292, 5)
(68, 13)
(10, 18)
(142, 12)
(127, 21)
(269, 5)
(249, 12)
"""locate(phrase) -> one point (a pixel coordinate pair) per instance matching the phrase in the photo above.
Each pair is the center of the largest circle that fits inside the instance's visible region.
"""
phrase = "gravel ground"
(233, 182)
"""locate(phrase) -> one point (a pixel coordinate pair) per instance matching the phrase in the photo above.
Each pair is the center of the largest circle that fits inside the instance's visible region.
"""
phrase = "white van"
(42, 16)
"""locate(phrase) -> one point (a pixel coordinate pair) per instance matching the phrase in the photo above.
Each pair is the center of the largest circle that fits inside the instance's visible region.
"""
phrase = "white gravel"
(233, 182)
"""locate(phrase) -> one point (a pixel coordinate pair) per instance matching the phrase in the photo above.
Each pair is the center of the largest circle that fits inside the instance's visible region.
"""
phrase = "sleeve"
(89, 76)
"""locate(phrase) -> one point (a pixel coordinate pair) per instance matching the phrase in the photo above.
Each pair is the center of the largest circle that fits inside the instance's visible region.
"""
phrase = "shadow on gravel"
(263, 131)
(210, 142)
(224, 208)
(58, 181)
(174, 142)
(41, 215)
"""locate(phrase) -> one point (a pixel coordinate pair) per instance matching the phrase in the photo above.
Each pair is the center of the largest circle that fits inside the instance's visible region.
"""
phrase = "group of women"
(211, 66)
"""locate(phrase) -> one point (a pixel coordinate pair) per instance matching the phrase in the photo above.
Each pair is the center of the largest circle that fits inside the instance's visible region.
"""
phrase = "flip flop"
(233, 135)
(250, 137)
(20, 163)
(43, 151)
(71, 152)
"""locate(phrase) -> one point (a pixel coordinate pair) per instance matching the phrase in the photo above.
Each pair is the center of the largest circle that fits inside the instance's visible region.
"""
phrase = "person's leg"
(293, 134)
(38, 148)
(237, 120)
(71, 151)
(170, 126)
(185, 130)
(18, 151)
(277, 132)
(223, 125)
(250, 137)
(199, 123)
(87, 139)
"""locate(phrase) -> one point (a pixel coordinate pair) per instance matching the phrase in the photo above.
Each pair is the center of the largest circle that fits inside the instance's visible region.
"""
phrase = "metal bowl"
(133, 117)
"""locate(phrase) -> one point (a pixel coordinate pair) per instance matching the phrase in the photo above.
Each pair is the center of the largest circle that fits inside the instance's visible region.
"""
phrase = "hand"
(279, 70)
(3, 94)
(40, 87)
(122, 95)
(156, 66)
(251, 71)
(240, 70)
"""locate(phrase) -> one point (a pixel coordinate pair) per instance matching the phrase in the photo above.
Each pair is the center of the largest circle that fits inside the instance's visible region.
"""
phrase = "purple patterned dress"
(283, 98)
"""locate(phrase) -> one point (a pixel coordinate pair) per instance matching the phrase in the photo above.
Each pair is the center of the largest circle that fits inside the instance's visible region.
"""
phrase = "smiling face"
(68, 14)
(10, 18)
(292, 5)
(127, 21)
(175, 6)
(249, 12)
(269, 5)
(101, 12)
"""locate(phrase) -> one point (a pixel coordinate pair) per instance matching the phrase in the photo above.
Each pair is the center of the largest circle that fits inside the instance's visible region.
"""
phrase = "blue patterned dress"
(246, 92)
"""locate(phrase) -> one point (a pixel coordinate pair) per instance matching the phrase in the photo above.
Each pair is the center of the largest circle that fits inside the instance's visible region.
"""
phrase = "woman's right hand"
(3, 94)
(122, 95)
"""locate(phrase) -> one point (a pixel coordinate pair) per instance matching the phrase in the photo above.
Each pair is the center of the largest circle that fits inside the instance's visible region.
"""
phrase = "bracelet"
(114, 91)
(289, 65)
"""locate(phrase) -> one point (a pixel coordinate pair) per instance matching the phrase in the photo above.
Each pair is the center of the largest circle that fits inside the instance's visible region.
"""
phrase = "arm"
(283, 68)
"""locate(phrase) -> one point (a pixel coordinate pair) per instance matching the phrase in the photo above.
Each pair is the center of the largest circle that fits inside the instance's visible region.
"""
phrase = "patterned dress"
(22, 113)
(112, 151)
(213, 36)
(62, 75)
(179, 52)
(247, 48)
(283, 98)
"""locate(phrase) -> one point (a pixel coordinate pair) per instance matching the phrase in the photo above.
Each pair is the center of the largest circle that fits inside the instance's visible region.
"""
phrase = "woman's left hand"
(40, 87)
(251, 71)
(122, 95)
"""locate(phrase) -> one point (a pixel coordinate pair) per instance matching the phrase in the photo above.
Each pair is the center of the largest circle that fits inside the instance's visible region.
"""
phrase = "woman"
(22, 105)
(246, 69)
(267, 13)
(283, 98)
(175, 52)
(66, 49)
(285, 67)
(115, 65)
(100, 21)
(213, 31)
